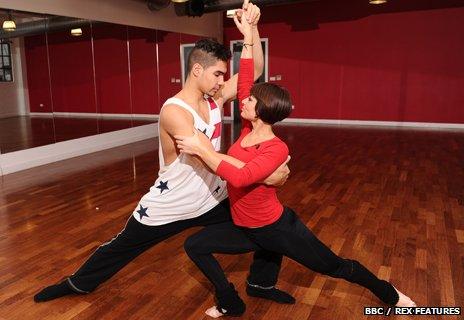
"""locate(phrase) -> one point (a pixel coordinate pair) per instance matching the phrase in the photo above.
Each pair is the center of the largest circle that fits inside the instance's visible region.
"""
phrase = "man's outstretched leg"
(111, 257)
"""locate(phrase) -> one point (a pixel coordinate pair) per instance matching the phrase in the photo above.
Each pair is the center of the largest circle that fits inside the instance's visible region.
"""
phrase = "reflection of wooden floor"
(20, 133)
(393, 199)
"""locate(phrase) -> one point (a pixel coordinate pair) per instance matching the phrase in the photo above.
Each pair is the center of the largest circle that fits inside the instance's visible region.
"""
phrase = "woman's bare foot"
(404, 301)
(213, 312)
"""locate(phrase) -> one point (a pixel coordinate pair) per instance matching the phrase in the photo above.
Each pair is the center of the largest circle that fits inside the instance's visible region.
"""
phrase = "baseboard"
(429, 125)
(29, 158)
(9, 115)
(95, 115)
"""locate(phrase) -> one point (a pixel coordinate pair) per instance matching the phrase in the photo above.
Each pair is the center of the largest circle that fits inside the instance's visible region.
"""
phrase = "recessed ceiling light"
(76, 32)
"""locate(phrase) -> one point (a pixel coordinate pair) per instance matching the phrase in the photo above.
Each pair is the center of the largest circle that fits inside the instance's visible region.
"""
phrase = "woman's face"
(249, 108)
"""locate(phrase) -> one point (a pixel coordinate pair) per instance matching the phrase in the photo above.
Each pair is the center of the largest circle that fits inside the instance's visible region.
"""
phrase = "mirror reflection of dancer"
(259, 219)
(186, 193)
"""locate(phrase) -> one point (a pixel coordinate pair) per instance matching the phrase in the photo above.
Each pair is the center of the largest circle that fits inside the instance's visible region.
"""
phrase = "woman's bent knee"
(195, 244)
(190, 245)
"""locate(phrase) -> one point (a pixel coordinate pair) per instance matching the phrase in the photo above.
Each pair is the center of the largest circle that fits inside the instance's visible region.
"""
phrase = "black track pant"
(136, 237)
(287, 236)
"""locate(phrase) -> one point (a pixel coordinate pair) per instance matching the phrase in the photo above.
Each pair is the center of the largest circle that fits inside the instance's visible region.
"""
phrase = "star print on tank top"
(184, 190)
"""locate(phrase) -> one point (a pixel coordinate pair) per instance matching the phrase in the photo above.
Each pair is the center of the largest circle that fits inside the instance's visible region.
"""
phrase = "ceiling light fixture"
(9, 25)
(179, 1)
(377, 1)
(76, 32)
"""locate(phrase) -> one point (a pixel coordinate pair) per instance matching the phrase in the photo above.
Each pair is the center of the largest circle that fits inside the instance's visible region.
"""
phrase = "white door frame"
(182, 60)
(266, 68)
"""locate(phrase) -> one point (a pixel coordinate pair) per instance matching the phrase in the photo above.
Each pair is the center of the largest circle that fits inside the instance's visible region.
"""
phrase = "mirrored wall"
(110, 77)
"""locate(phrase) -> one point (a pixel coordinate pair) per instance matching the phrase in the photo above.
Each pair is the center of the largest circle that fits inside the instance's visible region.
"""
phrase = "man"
(186, 193)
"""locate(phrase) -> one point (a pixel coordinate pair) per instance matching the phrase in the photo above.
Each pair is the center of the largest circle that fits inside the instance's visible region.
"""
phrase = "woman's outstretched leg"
(293, 239)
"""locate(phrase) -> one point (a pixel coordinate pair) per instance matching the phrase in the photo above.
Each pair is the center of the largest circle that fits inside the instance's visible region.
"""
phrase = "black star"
(163, 186)
(217, 189)
(143, 212)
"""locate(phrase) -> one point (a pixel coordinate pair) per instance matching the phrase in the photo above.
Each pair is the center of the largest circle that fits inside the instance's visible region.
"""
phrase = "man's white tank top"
(182, 191)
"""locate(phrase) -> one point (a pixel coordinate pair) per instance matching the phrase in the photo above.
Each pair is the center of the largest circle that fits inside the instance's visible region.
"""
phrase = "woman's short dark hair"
(273, 102)
(206, 52)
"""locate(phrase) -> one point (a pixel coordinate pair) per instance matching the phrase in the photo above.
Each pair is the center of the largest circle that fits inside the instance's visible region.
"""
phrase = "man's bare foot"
(213, 312)
(404, 301)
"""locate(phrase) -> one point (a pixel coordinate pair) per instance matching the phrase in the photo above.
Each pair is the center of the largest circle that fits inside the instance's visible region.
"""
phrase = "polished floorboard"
(390, 198)
(24, 132)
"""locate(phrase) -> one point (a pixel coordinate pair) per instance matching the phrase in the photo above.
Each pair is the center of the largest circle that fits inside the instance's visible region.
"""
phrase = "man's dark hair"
(206, 52)
(273, 102)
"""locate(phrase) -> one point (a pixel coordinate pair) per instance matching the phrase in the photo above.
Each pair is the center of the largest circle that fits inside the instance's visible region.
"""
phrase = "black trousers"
(135, 238)
(287, 236)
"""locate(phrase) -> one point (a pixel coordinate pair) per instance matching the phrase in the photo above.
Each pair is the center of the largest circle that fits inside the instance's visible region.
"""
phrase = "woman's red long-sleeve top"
(253, 204)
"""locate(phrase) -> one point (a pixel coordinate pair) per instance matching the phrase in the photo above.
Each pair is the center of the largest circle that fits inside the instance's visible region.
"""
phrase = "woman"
(259, 219)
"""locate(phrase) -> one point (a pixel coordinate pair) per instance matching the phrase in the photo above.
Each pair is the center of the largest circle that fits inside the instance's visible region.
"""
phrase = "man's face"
(211, 79)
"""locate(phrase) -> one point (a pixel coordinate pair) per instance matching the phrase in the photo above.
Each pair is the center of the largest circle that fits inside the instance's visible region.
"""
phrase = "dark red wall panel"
(143, 71)
(112, 68)
(71, 69)
(189, 38)
(38, 80)
(169, 64)
(320, 85)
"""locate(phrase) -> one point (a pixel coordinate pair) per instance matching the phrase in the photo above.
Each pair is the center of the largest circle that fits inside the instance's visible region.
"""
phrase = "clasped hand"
(195, 144)
(251, 12)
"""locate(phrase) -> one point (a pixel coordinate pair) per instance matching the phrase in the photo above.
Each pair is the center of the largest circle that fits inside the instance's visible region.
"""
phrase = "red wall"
(337, 64)
(338, 60)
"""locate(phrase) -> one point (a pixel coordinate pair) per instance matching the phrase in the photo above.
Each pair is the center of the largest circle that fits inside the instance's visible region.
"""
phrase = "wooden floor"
(19, 133)
(391, 198)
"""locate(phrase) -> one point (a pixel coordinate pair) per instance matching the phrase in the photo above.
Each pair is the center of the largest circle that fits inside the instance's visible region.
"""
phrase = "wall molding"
(9, 115)
(95, 115)
(29, 158)
(429, 125)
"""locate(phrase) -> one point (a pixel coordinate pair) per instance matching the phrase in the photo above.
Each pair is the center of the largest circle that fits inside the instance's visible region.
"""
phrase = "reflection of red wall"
(71, 71)
(111, 68)
(144, 73)
(403, 66)
(189, 38)
(72, 76)
(169, 64)
(38, 80)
